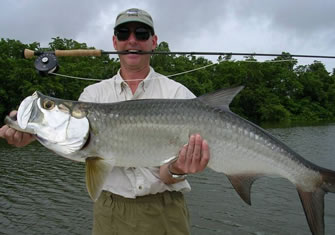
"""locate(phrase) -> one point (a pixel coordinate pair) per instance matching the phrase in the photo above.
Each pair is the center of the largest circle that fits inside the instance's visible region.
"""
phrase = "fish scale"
(137, 131)
(130, 136)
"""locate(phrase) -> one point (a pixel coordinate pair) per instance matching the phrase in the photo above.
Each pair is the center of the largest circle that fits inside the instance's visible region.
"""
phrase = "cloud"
(41, 20)
(267, 26)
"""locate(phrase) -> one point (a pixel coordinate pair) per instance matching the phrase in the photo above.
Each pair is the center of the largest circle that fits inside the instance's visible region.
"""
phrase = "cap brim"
(133, 19)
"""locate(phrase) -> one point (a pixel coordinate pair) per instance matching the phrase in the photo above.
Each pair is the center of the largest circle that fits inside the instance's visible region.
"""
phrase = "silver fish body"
(145, 133)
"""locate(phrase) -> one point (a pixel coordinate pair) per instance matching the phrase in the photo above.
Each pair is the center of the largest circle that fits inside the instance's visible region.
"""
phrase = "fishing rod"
(93, 52)
(46, 61)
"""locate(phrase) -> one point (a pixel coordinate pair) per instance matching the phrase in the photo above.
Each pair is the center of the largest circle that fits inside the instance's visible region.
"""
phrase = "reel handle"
(27, 54)
(79, 52)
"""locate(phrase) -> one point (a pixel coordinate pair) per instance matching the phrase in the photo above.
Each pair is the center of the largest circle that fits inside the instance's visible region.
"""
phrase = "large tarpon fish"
(145, 133)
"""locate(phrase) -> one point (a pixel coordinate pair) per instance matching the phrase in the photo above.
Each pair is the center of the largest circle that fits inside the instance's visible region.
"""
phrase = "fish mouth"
(11, 121)
(25, 110)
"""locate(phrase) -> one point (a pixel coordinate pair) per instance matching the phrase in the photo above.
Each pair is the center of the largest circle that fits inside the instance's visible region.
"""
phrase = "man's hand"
(14, 137)
(193, 158)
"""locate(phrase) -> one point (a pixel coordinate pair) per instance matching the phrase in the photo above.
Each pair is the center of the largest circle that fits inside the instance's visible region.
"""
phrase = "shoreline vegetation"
(278, 91)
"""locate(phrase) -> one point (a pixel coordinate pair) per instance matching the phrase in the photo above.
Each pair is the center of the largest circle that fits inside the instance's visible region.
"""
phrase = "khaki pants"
(160, 214)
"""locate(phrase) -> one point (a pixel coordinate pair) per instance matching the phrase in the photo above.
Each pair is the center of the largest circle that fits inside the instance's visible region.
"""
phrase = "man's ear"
(154, 41)
(114, 42)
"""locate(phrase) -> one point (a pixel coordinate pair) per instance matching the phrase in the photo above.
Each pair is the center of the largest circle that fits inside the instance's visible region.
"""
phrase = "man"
(139, 200)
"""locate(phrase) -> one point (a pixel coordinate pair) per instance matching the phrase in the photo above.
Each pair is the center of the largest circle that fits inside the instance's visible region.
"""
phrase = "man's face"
(132, 43)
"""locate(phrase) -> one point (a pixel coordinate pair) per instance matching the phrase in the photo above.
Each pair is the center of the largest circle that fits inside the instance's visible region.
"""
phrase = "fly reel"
(46, 63)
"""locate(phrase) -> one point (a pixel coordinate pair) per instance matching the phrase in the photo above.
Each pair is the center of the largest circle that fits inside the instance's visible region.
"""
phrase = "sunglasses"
(141, 33)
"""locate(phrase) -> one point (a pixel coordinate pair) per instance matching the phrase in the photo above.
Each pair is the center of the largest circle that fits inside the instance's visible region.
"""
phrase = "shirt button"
(140, 187)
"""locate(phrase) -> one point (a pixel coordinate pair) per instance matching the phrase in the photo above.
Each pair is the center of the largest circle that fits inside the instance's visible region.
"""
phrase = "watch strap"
(175, 175)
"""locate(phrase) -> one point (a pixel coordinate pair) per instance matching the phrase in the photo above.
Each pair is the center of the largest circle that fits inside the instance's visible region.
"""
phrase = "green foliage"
(275, 91)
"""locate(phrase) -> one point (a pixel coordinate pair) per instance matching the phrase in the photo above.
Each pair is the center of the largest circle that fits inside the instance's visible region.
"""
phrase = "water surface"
(41, 193)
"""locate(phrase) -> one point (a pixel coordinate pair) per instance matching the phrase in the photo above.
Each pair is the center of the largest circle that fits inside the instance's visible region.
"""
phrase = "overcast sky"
(261, 26)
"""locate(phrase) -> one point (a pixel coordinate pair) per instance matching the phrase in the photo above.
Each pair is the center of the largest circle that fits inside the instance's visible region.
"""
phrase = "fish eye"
(48, 104)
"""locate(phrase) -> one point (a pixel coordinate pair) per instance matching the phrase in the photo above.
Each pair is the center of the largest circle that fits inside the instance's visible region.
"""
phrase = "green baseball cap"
(134, 15)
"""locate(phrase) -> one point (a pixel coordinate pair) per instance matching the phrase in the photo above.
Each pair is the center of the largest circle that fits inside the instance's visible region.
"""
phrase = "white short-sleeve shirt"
(132, 182)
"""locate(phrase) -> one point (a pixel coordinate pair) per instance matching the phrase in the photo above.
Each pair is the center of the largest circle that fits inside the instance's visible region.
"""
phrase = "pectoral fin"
(97, 170)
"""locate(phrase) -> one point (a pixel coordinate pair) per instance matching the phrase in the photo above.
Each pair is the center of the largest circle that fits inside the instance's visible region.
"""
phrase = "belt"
(165, 197)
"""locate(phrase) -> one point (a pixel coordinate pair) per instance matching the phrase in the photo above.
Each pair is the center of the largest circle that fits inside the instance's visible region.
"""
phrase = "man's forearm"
(165, 175)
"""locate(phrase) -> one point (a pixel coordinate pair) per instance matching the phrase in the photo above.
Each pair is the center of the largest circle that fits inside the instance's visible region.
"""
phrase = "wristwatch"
(175, 175)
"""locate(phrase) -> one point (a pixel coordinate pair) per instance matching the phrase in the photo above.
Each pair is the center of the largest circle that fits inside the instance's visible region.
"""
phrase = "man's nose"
(132, 37)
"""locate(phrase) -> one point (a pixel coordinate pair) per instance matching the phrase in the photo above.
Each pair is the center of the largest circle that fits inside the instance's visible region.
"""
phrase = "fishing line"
(172, 75)
(78, 78)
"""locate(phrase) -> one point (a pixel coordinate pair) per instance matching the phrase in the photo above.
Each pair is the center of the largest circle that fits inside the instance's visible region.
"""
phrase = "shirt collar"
(120, 84)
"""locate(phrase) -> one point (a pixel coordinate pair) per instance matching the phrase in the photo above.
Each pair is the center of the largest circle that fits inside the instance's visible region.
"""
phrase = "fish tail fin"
(97, 170)
(313, 202)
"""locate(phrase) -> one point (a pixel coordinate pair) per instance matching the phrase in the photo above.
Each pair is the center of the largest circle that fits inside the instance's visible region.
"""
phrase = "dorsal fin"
(221, 98)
